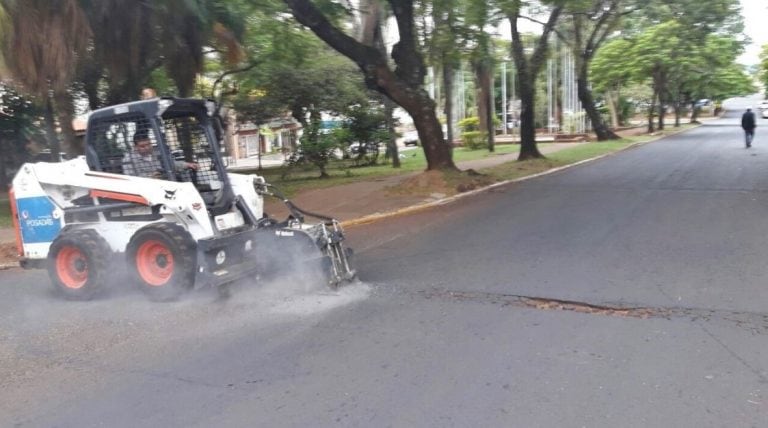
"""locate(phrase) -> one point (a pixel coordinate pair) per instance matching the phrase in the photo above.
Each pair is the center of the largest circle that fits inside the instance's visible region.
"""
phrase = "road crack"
(753, 322)
(541, 303)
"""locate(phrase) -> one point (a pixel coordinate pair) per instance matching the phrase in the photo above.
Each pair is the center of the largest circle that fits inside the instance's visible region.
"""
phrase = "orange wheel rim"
(72, 267)
(154, 262)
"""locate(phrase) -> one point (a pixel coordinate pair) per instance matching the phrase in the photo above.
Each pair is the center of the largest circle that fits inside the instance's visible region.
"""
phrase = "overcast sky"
(755, 13)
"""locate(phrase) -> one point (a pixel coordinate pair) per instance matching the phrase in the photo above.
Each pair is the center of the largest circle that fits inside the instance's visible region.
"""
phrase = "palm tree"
(133, 39)
(40, 46)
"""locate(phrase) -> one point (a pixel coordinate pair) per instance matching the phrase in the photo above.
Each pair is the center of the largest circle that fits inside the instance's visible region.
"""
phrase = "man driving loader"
(143, 162)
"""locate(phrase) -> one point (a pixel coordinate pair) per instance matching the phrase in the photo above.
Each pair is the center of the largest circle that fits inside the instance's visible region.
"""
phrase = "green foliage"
(680, 68)
(571, 121)
(470, 124)
(763, 71)
(317, 147)
(366, 125)
(474, 140)
(626, 110)
(313, 77)
(611, 69)
(19, 123)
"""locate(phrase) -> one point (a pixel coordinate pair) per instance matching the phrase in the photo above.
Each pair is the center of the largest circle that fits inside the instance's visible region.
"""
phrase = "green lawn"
(342, 172)
(5, 211)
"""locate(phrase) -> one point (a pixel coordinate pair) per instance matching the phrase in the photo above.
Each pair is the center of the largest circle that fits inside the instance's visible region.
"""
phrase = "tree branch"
(231, 72)
(540, 52)
(544, 24)
(307, 14)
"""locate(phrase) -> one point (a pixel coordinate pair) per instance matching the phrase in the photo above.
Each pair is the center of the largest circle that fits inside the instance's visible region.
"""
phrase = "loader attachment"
(327, 236)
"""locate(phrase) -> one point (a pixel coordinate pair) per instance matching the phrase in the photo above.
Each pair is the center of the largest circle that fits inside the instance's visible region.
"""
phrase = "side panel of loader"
(39, 220)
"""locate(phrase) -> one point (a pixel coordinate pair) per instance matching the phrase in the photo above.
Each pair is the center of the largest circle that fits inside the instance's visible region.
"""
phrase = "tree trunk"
(694, 112)
(490, 128)
(658, 83)
(651, 109)
(603, 21)
(528, 149)
(91, 78)
(484, 83)
(392, 142)
(527, 71)
(448, 74)
(588, 103)
(66, 114)
(371, 35)
(613, 108)
(662, 113)
(50, 129)
(119, 93)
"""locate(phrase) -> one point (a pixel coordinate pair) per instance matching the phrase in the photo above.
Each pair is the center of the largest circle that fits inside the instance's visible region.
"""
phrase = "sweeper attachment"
(152, 194)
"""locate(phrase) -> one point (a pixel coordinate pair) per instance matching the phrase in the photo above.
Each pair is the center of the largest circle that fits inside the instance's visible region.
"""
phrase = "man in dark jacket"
(748, 124)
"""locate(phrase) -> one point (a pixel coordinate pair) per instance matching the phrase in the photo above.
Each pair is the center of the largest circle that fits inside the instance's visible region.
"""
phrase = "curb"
(418, 207)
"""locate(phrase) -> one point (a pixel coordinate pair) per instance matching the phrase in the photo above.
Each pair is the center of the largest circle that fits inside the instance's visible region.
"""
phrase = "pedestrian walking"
(748, 124)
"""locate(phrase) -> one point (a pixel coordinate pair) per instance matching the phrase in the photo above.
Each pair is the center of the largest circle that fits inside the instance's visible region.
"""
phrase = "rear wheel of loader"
(77, 263)
(161, 258)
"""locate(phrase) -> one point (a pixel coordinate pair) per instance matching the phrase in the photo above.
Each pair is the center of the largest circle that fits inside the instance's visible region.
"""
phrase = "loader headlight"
(221, 256)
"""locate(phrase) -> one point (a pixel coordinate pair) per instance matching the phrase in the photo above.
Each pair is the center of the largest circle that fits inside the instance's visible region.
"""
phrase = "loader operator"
(142, 161)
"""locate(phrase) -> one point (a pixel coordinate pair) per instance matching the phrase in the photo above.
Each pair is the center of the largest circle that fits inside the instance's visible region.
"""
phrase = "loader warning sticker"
(38, 220)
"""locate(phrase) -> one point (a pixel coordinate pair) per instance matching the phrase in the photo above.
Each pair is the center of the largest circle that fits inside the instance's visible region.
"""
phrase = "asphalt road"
(625, 292)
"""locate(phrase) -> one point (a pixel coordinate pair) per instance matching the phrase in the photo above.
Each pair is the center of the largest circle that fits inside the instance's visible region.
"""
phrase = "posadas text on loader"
(152, 193)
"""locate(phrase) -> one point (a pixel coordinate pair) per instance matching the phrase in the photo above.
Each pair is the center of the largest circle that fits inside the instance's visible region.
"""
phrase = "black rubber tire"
(78, 264)
(148, 254)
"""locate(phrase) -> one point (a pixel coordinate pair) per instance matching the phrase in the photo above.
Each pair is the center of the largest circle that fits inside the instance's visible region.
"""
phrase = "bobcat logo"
(170, 195)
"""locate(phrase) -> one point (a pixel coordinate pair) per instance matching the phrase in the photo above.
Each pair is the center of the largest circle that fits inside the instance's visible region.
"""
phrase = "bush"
(474, 140)
(470, 124)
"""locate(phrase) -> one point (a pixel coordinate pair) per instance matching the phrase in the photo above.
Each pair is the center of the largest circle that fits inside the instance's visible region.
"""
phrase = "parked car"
(356, 148)
(764, 113)
(410, 138)
(763, 106)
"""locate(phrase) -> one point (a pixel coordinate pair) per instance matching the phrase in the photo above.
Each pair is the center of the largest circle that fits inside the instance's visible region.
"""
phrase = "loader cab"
(180, 131)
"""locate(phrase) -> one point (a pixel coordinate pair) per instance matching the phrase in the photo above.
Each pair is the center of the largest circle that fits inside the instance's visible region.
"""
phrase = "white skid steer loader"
(169, 212)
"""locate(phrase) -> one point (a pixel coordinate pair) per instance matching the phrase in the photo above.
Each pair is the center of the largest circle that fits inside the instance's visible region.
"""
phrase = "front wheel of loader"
(162, 260)
(77, 264)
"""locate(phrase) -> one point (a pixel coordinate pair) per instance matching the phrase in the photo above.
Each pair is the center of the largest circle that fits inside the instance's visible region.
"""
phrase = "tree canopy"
(305, 58)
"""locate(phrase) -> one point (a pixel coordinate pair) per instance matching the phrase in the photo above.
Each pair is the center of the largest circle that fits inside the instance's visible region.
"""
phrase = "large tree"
(528, 69)
(479, 18)
(42, 41)
(372, 28)
(133, 39)
(610, 75)
(444, 40)
(654, 56)
(587, 27)
(403, 85)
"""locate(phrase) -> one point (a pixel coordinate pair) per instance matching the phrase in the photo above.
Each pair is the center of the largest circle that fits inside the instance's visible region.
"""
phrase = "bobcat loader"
(186, 223)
